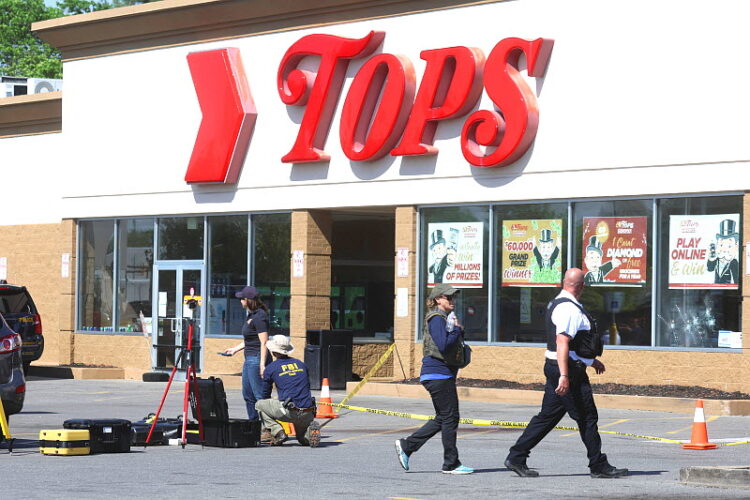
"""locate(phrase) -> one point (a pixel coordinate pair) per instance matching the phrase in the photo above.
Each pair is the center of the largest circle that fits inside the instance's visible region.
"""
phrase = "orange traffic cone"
(324, 405)
(699, 438)
(289, 429)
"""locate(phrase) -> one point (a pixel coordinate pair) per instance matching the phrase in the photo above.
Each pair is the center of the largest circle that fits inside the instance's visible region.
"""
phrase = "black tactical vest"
(551, 329)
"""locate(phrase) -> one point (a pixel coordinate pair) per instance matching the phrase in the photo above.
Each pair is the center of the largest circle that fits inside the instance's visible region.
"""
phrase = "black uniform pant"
(445, 402)
(578, 403)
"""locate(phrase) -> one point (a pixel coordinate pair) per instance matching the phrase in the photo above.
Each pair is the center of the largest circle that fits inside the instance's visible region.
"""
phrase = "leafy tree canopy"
(22, 53)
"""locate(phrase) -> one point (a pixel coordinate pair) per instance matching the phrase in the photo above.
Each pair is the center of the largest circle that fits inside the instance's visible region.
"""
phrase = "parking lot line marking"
(601, 426)
(404, 498)
(99, 400)
(390, 431)
(709, 419)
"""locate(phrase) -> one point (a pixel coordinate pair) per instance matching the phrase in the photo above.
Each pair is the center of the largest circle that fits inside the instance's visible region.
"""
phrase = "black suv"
(20, 313)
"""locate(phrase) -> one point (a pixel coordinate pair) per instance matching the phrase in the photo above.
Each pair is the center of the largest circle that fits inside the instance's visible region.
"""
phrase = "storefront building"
(345, 156)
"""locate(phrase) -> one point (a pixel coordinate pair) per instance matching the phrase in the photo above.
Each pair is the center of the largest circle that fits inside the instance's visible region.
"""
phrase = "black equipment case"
(232, 433)
(111, 435)
(213, 399)
(166, 429)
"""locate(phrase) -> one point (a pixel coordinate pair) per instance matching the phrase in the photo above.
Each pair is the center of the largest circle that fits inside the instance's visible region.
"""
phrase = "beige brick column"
(403, 326)
(311, 293)
(66, 305)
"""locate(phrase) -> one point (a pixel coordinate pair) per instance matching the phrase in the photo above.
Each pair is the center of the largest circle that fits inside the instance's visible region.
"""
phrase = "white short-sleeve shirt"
(569, 320)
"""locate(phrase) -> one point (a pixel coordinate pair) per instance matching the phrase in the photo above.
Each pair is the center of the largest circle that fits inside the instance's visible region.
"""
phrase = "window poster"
(615, 250)
(456, 254)
(704, 251)
(531, 252)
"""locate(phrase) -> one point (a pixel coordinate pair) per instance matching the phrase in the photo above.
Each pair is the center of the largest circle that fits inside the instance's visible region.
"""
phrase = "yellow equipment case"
(64, 442)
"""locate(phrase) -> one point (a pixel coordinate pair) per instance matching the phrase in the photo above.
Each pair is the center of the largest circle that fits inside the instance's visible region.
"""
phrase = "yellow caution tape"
(507, 424)
(370, 373)
(475, 421)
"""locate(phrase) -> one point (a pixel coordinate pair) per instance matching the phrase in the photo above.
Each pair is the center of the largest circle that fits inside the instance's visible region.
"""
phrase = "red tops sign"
(384, 112)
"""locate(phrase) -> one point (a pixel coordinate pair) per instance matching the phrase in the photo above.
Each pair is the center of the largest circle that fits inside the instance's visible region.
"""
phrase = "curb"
(77, 372)
(724, 407)
(723, 477)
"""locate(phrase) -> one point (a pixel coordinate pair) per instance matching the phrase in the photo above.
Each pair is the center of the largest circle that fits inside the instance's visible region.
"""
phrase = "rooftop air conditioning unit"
(11, 86)
(40, 85)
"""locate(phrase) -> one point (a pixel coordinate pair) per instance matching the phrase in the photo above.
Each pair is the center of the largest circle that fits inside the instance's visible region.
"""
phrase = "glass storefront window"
(135, 260)
(700, 294)
(613, 246)
(531, 257)
(455, 250)
(96, 264)
(181, 238)
(227, 273)
(272, 235)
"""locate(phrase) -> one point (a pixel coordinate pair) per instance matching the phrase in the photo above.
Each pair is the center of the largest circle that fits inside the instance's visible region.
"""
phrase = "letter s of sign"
(228, 116)
(319, 91)
(512, 132)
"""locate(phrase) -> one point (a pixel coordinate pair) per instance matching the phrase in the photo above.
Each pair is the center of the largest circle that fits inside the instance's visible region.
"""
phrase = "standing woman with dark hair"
(442, 332)
(255, 331)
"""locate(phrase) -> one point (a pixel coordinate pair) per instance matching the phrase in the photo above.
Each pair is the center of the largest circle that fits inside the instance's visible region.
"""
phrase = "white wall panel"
(33, 172)
(640, 97)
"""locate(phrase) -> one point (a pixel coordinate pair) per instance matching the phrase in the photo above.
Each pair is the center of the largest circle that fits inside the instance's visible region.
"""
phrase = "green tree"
(21, 52)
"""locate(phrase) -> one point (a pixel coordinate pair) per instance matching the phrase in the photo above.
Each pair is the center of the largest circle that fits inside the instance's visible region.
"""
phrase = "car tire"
(26, 366)
(155, 377)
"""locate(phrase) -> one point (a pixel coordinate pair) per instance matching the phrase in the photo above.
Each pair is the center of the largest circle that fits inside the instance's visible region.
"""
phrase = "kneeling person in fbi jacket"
(295, 404)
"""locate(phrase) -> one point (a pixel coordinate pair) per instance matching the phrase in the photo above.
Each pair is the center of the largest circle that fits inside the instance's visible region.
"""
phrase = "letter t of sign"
(319, 91)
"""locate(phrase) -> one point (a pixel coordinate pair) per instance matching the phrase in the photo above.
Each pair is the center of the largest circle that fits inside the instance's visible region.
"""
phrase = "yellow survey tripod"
(5, 428)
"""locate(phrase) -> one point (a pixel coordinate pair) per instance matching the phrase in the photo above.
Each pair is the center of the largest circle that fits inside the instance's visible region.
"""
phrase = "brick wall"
(365, 356)
(34, 253)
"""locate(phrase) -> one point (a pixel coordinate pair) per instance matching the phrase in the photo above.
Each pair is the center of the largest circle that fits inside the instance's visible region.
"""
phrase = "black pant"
(578, 403)
(445, 401)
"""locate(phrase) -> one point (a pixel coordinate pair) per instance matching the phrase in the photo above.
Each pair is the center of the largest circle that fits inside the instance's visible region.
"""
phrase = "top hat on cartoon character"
(727, 229)
(594, 245)
(436, 238)
(546, 236)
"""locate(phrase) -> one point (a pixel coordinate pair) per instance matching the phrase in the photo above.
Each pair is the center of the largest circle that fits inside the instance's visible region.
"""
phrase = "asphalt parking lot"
(356, 458)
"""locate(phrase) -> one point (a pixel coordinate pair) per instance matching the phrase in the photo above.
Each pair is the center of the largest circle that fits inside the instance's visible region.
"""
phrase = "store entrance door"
(174, 282)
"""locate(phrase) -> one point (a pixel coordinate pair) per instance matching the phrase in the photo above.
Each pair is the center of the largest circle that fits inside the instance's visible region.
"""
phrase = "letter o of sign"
(377, 107)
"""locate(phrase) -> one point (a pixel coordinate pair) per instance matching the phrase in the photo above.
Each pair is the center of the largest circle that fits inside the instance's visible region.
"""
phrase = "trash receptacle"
(328, 354)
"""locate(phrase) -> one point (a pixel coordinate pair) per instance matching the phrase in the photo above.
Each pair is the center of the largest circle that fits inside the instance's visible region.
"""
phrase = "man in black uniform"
(568, 388)
(295, 403)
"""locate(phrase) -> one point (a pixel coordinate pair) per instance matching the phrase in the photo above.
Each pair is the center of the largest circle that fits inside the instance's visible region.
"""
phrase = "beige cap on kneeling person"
(280, 344)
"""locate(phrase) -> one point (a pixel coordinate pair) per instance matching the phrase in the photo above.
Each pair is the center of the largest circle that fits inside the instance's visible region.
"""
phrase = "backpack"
(586, 343)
